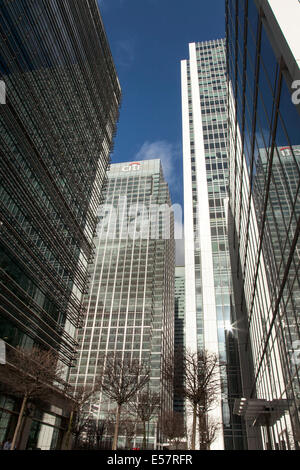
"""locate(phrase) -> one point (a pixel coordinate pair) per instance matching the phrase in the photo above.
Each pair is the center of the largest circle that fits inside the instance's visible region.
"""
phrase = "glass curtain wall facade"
(210, 310)
(262, 49)
(56, 132)
(179, 333)
(130, 300)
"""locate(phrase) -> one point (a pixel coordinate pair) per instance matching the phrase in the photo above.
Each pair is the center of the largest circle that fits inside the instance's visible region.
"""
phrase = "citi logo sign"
(135, 166)
(287, 151)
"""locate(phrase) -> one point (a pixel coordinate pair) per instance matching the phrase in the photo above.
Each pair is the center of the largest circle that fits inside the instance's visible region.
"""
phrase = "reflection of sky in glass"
(269, 61)
(288, 125)
(288, 131)
(274, 191)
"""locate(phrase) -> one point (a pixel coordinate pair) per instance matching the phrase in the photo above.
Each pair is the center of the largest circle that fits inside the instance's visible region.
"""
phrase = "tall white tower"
(209, 302)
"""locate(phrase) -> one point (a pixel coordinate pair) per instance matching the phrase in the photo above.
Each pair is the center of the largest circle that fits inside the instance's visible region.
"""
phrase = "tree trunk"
(203, 432)
(194, 427)
(18, 426)
(67, 440)
(144, 435)
(115, 442)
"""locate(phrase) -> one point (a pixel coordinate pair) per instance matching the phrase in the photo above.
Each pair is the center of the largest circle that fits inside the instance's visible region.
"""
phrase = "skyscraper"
(210, 309)
(130, 300)
(263, 68)
(56, 131)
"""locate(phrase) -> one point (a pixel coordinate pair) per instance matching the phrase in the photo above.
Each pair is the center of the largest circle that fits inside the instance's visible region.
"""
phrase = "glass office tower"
(210, 310)
(263, 64)
(130, 300)
(56, 130)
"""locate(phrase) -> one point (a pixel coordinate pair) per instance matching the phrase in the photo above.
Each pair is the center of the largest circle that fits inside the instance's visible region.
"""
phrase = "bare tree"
(129, 425)
(100, 430)
(30, 374)
(172, 427)
(94, 430)
(123, 378)
(80, 422)
(90, 433)
(106, 427)
(199, 383)
(80, 413)
(145, 407)
(208, 430)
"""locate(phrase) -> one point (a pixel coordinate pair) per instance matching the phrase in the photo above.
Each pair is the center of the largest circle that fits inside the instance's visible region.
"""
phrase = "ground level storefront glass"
(42, 430)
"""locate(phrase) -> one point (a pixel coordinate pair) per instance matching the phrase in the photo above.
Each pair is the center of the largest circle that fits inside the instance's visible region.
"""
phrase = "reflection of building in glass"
(55, 136)
(179, 333)
(130, 300)
(210, 311)
(264, 212)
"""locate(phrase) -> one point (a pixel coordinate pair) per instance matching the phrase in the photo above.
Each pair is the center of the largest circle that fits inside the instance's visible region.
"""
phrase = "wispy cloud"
(125, 52)
(123, 49)
(169, 154)
(166, 152)
(102, 4)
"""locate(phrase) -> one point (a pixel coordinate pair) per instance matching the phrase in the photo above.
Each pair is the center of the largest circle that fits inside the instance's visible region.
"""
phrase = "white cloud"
(169, 155)
(163, 150)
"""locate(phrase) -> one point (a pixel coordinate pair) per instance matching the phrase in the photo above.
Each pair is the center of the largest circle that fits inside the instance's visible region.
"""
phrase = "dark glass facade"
(56, 132)
(264, 141)
(179, 336)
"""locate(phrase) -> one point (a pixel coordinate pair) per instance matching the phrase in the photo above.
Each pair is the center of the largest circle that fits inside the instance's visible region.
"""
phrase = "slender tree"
(123, 378)
(100, 430)
(199, 383)
(201, 386)
(90, 431)
(80, 413)
(145, 407)
(31, 374)
(129, 425)
(208, 429)
(172, 427)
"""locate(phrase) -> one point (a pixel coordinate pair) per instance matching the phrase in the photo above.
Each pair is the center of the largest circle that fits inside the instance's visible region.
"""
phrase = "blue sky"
(148, 39)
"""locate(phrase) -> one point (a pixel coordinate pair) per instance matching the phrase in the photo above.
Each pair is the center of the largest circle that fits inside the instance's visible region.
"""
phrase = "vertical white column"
(190, 288)
(207, 273)
(189, 242)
